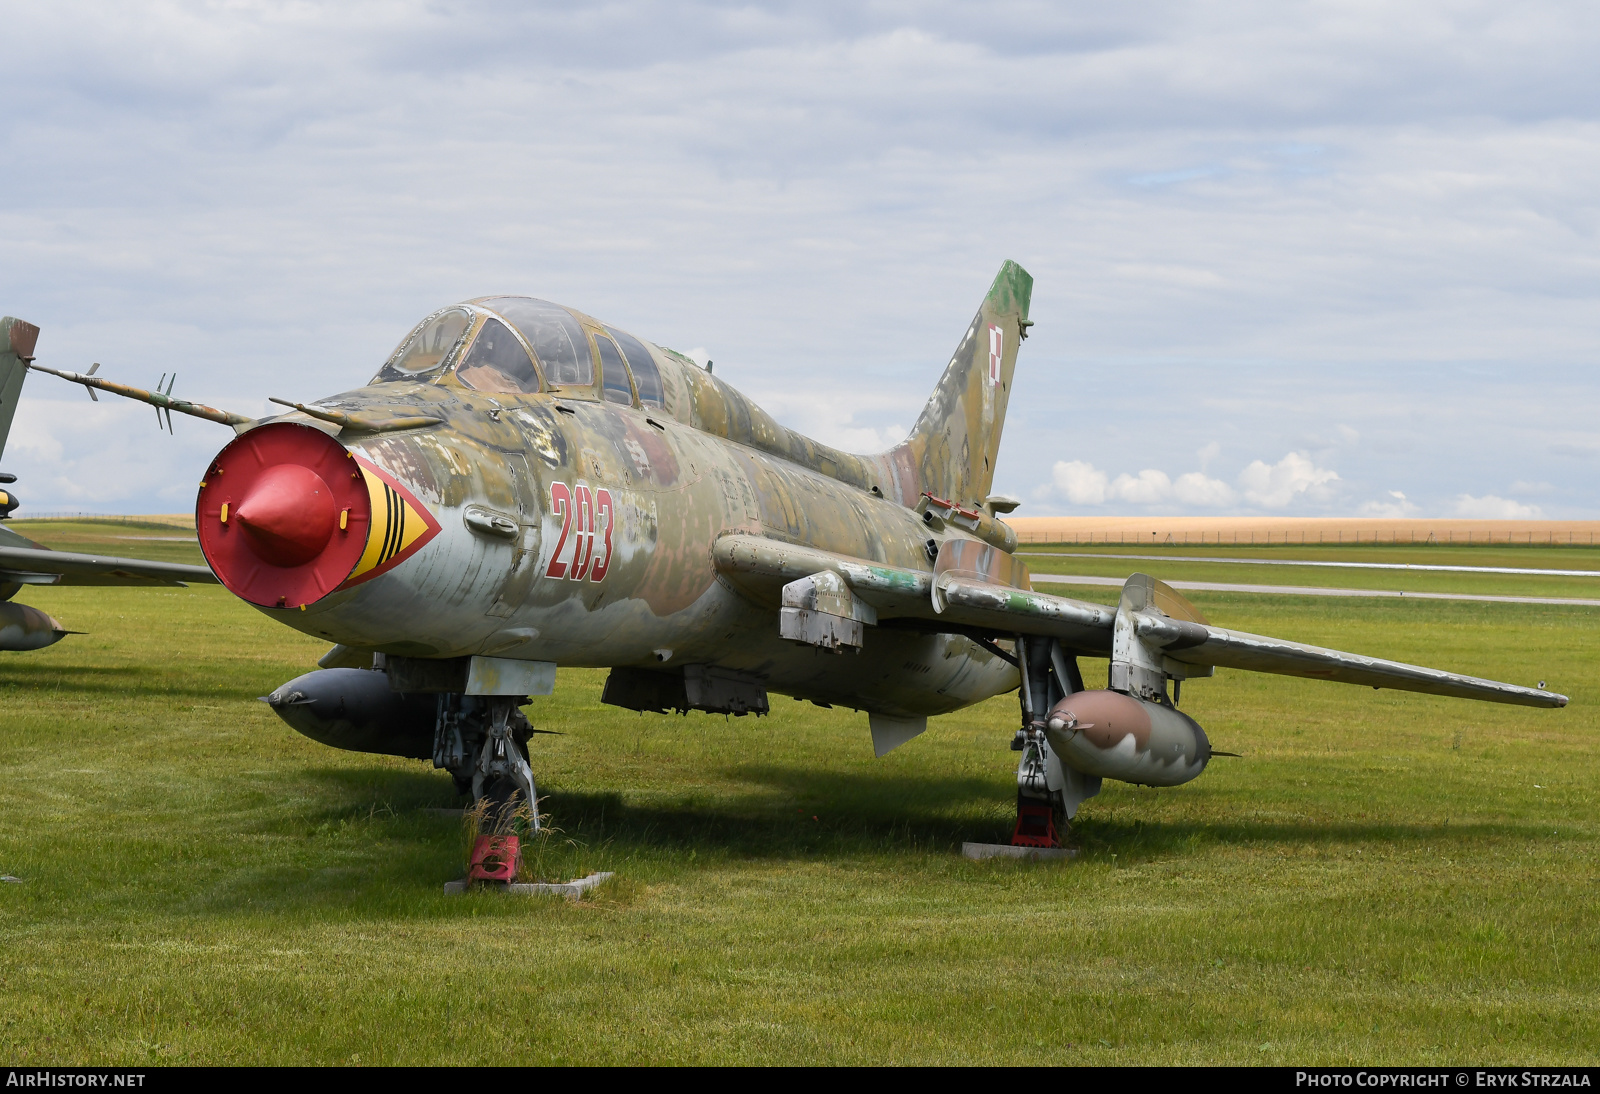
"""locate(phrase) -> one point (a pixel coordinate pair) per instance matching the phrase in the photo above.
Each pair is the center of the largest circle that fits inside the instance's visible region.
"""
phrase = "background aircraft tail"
(950, 452)
(17, 339)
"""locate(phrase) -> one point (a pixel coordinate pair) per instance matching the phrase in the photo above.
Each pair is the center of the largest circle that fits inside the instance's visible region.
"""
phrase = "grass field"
(1383, 878)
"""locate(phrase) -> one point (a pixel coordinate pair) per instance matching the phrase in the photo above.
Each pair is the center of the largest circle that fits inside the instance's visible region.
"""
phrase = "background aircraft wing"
(40, 566)
(978, 590)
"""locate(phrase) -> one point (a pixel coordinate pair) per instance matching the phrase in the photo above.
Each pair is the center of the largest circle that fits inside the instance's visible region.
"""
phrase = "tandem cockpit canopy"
(486, 344)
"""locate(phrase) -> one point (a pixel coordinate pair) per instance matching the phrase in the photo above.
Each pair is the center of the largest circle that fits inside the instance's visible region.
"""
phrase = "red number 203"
(582, 513)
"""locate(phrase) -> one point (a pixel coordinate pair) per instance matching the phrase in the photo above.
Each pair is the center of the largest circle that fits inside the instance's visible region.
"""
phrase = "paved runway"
(1315, 590)
(1336, 565)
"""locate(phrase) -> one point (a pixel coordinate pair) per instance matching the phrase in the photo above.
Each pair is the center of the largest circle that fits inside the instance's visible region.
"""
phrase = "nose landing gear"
(481, 741)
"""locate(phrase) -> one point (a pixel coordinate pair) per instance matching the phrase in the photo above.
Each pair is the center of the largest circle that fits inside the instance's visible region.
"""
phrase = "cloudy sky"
(1319, 259)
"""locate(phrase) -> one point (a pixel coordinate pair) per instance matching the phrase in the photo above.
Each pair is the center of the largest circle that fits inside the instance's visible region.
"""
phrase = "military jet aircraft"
(24, 562)
(522, 486)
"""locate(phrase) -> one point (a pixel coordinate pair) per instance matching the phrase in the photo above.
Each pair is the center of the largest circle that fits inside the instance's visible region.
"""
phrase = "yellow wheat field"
(1167, 531)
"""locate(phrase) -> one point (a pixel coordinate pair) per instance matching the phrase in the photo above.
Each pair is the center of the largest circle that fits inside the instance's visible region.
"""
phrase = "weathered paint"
(675, 479)
(1115, 736)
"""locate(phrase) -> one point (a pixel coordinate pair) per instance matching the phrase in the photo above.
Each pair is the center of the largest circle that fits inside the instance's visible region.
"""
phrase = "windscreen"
(556, 337)
(497, 363)
(424, 352)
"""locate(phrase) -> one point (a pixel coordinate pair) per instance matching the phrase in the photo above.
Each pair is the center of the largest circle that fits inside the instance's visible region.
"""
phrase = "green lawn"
(1382, 878)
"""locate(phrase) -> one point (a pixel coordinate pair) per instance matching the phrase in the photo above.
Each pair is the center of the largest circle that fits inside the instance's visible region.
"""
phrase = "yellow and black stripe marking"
(400, 526)
(394, 525)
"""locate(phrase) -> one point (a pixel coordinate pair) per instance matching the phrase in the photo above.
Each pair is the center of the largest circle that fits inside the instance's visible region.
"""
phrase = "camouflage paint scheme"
(706, 464)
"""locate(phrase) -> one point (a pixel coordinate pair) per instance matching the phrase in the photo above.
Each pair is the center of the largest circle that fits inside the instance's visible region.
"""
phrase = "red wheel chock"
(495, 858)
(1036, 827)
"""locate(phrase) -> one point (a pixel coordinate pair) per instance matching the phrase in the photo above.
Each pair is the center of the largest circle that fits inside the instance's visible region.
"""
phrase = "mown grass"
(1381, 878)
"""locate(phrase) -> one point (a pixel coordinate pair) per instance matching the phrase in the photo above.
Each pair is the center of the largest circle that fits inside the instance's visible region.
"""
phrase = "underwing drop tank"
(356, 710)
(1115, 736)
(26, 628)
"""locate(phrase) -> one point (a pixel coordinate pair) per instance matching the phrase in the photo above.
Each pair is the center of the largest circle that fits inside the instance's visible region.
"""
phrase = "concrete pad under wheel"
(978, 851)
(572, 890)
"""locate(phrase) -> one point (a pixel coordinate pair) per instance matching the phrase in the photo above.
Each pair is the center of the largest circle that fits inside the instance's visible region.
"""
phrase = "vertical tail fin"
(950, 453)
(17, 339)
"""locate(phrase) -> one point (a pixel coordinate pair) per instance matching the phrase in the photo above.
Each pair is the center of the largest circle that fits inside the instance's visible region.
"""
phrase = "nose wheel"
(502, 771)
(480, 741)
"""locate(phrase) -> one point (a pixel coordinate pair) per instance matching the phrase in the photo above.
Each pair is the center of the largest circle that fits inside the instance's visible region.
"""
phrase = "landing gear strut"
(481, 741)
(1047, 792)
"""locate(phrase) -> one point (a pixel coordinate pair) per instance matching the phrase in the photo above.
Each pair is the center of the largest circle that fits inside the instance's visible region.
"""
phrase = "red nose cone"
(283, 515)
(289, 515)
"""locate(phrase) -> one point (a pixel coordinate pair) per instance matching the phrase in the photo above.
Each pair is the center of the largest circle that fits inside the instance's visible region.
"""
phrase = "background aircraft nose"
(288, 515)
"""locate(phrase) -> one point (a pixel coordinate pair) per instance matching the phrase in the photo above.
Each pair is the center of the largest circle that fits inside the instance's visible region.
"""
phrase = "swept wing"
(977, 589)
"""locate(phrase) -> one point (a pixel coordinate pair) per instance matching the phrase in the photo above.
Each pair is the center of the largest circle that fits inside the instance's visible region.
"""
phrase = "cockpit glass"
(646, 376)
(497, 362)
(613, 373)
(424, 352)
(556, 337)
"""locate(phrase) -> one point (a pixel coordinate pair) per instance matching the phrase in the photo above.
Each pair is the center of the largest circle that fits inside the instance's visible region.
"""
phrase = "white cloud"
(1197, 490)
(1273, 486)
(1148, 487)
(1080, 483)
(1490, 507)
(1397, 505)
(866, 422)
(860, 438)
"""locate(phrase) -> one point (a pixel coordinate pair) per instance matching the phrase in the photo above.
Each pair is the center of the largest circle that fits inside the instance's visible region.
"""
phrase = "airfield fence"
(1252, 538)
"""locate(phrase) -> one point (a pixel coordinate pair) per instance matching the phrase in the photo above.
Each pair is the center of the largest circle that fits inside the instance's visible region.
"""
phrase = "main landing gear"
(1048, 792)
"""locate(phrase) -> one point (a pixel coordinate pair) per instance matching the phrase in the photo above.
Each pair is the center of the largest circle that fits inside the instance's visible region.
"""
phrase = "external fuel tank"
(1115, 736)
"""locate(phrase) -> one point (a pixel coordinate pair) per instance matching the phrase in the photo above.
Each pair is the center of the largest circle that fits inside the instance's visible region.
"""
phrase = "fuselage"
(575, 524)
